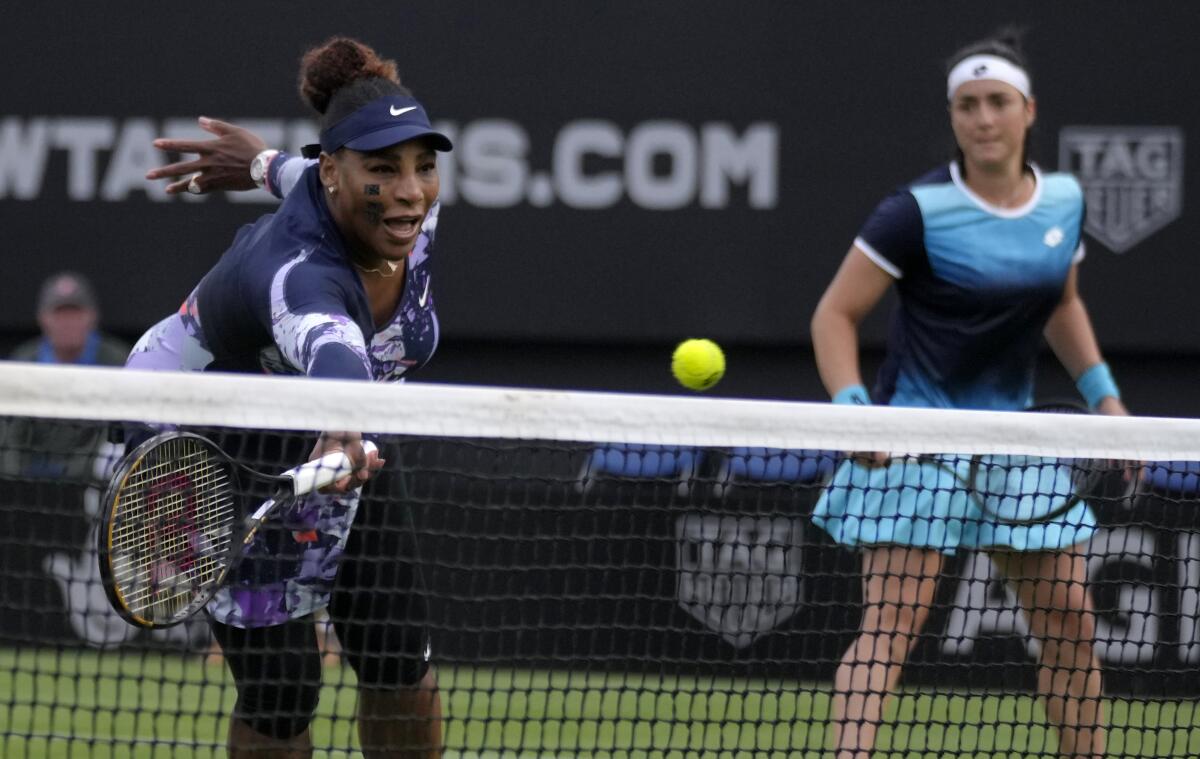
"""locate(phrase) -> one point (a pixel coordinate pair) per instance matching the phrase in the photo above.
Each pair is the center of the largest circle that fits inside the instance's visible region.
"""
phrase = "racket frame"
(111, 505)
(293, 483)
(968, 483)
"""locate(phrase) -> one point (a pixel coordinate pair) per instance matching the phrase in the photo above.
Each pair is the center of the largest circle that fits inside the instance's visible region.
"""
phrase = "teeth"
(402, 226)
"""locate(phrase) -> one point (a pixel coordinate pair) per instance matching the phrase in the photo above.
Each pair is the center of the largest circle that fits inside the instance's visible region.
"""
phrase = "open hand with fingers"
(221, 163)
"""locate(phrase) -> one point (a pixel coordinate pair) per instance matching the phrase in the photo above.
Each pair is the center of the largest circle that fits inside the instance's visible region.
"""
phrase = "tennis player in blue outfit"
(983, 254)
(336, 284)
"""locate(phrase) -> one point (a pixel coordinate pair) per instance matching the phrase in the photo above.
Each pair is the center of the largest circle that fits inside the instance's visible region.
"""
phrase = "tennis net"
(612, 575)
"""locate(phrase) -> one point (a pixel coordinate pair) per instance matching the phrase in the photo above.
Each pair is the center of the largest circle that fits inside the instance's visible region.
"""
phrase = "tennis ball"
(698, 364)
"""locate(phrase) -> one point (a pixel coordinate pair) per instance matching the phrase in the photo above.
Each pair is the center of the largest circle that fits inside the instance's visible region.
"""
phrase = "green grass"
(82, 704)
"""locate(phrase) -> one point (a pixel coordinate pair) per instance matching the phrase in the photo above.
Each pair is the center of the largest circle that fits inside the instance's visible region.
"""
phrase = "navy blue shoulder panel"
(894, 234)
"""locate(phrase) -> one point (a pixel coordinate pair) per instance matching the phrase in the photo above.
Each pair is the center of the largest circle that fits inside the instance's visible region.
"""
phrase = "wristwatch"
(259, 166)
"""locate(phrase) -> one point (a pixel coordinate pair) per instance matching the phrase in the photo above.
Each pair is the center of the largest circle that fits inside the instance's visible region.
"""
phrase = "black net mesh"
(507, 597)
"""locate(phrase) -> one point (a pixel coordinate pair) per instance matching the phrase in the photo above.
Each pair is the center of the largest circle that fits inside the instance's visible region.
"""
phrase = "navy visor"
(383, 122)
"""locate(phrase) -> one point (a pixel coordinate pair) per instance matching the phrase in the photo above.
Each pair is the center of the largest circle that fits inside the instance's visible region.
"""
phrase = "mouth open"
(402, 228)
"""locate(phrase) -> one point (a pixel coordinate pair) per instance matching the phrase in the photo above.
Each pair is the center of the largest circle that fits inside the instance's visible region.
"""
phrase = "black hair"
(342, 75)
(1004, 43)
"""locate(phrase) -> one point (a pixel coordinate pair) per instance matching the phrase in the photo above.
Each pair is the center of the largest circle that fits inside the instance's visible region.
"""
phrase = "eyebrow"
(393, 153)
(988, 94)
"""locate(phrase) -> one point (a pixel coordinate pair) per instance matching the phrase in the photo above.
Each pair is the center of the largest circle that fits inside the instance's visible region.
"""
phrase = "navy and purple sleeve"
(894, 234)
(312, 327)
(284, 172)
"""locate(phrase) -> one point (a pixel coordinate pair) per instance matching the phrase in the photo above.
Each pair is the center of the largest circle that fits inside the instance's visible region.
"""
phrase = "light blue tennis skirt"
(943, 502)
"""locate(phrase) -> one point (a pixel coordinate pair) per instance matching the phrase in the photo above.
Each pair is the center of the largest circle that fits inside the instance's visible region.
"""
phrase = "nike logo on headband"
(401, 111)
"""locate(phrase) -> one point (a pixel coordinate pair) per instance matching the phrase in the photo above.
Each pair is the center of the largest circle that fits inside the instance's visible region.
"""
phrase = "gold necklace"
(392, 266)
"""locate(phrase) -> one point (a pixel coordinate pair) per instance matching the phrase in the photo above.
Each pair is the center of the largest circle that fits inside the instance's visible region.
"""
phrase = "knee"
(893, 619)
(888, 634)
(277, 710)
(417, 698)
(405, 664)
(1069, 628)
(390, 671)
(1072, 619)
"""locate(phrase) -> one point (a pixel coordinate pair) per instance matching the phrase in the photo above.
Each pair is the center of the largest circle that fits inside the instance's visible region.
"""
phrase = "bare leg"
(327, 640)
(401, 724)
(898, 587)
(1053, 589)
(247, 743)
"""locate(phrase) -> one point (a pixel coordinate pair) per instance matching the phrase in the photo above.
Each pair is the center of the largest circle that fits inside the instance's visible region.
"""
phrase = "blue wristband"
(852, 394)
(1096, 384)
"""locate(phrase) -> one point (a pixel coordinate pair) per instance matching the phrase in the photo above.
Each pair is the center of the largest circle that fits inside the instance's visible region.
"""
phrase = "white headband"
(991, 67)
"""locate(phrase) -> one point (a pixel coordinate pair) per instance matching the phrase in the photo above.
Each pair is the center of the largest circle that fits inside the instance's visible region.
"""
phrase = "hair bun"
(327, 68)
(1011, 37)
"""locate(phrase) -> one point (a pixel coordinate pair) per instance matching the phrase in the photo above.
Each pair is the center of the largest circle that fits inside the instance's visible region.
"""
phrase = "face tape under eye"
(374, 212)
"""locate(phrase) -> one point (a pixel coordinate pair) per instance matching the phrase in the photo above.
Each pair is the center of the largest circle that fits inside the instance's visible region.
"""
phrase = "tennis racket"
(170, 533)
(1026, 490)
(1018, 490)
(1057, 484)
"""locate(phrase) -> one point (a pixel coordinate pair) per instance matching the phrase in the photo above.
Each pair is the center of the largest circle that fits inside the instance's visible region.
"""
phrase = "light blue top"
(977, 284)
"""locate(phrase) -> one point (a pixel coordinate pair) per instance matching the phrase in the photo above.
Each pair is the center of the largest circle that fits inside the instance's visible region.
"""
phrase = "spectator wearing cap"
(51, 449)
(68, 316)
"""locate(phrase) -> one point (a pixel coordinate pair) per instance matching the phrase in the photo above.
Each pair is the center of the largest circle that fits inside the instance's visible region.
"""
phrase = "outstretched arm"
(314, 332)
(221, 163)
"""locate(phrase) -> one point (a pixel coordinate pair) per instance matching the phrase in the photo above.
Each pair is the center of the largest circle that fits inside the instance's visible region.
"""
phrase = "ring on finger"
(193, 186)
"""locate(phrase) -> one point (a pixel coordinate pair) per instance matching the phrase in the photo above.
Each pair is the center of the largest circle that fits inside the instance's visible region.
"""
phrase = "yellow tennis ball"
(698, 364)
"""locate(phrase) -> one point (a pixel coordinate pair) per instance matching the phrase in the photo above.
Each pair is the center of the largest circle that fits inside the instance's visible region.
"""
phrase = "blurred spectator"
(57, 450)
(68, 316)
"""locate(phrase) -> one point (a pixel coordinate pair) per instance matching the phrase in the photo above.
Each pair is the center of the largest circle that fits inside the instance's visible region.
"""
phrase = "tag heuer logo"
(1132, 179)
(739, 575)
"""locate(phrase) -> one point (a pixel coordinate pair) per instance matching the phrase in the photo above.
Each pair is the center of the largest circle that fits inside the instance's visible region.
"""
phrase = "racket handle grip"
(324, 471)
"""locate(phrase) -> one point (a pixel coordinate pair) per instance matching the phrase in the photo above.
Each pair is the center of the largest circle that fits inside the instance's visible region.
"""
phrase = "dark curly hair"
(341, 75)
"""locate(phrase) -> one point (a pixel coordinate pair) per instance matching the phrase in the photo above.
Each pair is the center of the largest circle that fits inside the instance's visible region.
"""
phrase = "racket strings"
(1012, 489)
(176, 517)
(1031, 489)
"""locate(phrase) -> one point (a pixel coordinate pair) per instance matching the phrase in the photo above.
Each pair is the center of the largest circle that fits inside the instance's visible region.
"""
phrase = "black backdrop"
(628, 174)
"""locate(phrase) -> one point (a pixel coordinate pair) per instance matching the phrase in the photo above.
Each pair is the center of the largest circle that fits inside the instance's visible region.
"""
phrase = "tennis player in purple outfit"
(335, 284)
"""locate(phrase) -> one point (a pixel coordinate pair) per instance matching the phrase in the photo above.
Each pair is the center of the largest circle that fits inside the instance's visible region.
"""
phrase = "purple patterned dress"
(284, 299)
